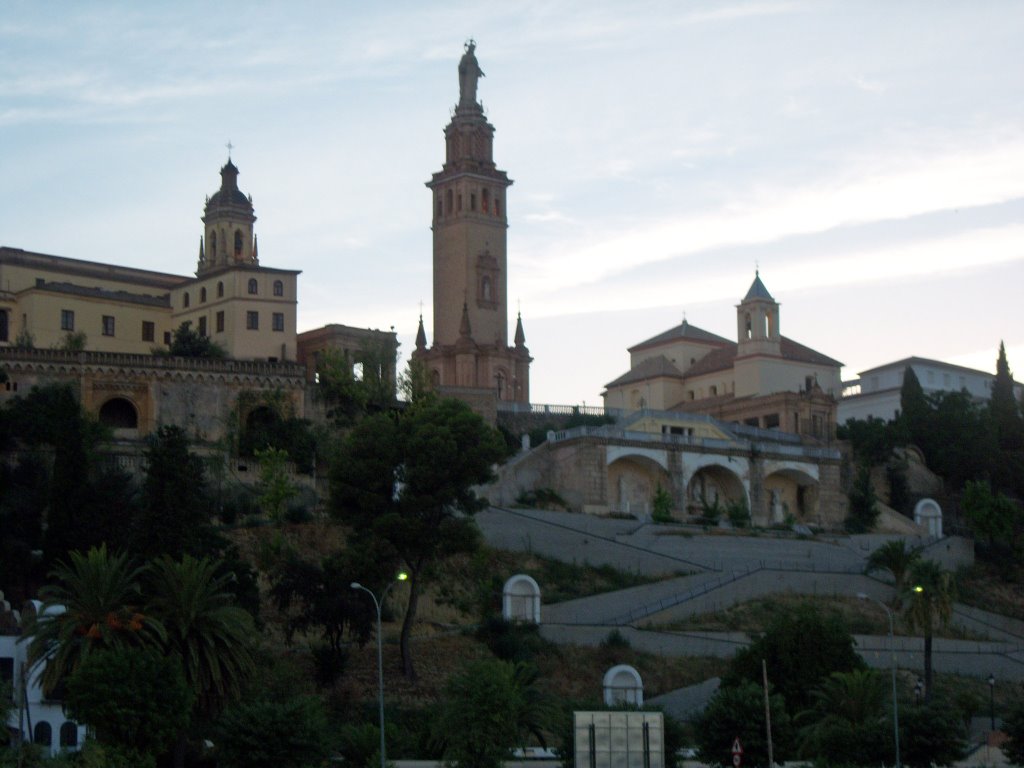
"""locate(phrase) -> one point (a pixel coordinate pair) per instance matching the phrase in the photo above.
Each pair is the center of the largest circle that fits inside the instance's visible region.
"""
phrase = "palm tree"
(92, 604)
(896, 558)
(211, 635)
(847, 714)
(930, 594)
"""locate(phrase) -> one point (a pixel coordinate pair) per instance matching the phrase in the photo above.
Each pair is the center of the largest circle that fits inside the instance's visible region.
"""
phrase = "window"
(485, 201)
(43, 734)
(448, 195)
(148, 331)
(220, 322)
(4, 325)
(253, 286)
(212, 240)
(252, 321)
(220, 290)
(202, 294)
(472, 201)
(69, 734)
(459, 201)
(185, 301)
(238, 242)
(278, 321)
(67, 320)
(440, 208)
(108, 325)
(167, 338)
(202, 326)
(497, 206)
(278, 288)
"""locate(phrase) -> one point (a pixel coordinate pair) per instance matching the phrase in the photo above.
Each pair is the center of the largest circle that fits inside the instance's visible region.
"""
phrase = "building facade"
(470, 356)
(876, 393)
(763, 379)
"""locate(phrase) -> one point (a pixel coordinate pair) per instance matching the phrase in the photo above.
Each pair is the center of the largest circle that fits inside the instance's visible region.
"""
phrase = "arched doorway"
(713, 489)
(119, 413)
(790, 495)
(632, 482)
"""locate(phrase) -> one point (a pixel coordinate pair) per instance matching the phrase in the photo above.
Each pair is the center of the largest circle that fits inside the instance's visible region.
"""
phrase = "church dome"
(229, 194)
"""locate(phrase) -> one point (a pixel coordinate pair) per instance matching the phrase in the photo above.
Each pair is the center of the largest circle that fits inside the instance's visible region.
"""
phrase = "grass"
(980, 586)
(861, 616)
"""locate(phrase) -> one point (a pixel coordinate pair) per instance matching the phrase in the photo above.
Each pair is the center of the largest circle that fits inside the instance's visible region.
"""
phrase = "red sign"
(737, 752)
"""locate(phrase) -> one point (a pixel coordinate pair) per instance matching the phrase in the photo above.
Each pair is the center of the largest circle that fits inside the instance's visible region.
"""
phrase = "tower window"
(460, 201)
(497, 206)
(252, 321)
(212, 240)
(749, 327)
(238, 243)
(253, 286)
(108, 325)
(202, 294)
(148, 330)
(67, 320)
(485, 201)
(185, 301)
(220, 322)
(485, 288)
(278, 288)
(448, 195)
(220, 290)
(278, 321)
(472, 201)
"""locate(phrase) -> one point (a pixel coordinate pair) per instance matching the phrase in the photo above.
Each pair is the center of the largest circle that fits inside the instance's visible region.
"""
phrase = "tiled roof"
(652, 367)
(682, 331)
(724, 359)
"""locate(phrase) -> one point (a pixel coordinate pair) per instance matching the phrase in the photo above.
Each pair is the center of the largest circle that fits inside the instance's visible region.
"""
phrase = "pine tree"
(1005, 411)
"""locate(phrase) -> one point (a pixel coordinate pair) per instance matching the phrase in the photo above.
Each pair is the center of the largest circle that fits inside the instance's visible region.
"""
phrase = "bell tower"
(470, 264)
(228, 222)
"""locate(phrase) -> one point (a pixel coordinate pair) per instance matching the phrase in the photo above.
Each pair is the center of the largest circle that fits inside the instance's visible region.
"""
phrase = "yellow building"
(470, 357)
(763, 379)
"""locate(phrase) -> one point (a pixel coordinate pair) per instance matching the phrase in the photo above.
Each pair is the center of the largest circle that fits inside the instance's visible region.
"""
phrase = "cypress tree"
(1006, 417)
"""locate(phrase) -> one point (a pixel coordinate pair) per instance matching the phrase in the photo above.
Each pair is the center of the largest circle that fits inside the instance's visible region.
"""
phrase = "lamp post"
(892, 649)
(380, 653)
(992, 701)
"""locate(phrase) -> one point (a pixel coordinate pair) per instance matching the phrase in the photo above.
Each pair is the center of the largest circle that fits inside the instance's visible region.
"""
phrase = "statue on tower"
(469, 74)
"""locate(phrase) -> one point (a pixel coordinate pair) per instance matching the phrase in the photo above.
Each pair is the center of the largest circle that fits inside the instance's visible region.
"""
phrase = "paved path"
(715, 572)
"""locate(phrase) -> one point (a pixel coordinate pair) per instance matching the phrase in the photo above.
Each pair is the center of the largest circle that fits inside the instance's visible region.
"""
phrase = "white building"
(34, 717)
(876, 394)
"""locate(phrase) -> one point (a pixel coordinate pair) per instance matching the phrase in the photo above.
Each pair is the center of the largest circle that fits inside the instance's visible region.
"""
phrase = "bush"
(661, 506)
(511, 640)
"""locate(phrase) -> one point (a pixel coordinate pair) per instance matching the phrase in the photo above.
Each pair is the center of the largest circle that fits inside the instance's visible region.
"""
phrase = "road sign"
(737, 752)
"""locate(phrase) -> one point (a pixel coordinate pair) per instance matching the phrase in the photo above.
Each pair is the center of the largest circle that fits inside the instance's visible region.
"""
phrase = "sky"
(867, 157)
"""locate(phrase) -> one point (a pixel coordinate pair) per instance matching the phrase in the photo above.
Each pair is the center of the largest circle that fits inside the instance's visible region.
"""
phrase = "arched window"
(119, 413)
(185, 301)
(43, 734)
(202, 294)
(69, 734)
(749, 327)
(220, 290)
(253, 286)
(238, 243)
(212, 240)
(485, 288)
(278, 288)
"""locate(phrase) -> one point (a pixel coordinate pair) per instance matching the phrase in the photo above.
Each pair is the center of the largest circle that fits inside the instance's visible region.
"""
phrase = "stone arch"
(789, 491)
(119, 413)
(715, 483)
(520, 599)
(622, 685)
(634, 475)
(928, 514)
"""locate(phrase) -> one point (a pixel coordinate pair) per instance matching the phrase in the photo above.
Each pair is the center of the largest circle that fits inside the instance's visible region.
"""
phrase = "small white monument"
(928, 514)
(520, 599)
(622, 685)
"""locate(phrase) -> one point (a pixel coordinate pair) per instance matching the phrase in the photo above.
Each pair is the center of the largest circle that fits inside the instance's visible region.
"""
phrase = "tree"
(275, 487)
(737, 712)
(871, 439)
(1004, 408)
(135, 698)
(911, 423)
(408, 480)
(848, 724)
(1013, 725)
(175, 513)
(931, 733)
(206, 632)
(188, 343)
(489, 708)
(863, 510)
(896, 558)
(273, 734)
(93, 604)
(929, 593)
(993, 515)
(801, 649)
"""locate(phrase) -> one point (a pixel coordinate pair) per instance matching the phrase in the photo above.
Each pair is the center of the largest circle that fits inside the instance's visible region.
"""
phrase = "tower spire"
(421, 336)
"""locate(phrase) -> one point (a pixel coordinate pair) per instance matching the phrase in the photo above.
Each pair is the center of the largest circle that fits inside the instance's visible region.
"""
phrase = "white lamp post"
(892, 649)
(380, 653)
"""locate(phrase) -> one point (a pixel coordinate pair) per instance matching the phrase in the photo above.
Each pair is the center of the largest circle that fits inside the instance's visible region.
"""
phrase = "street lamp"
(992, 701)
(892, 649)
(380, 653)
